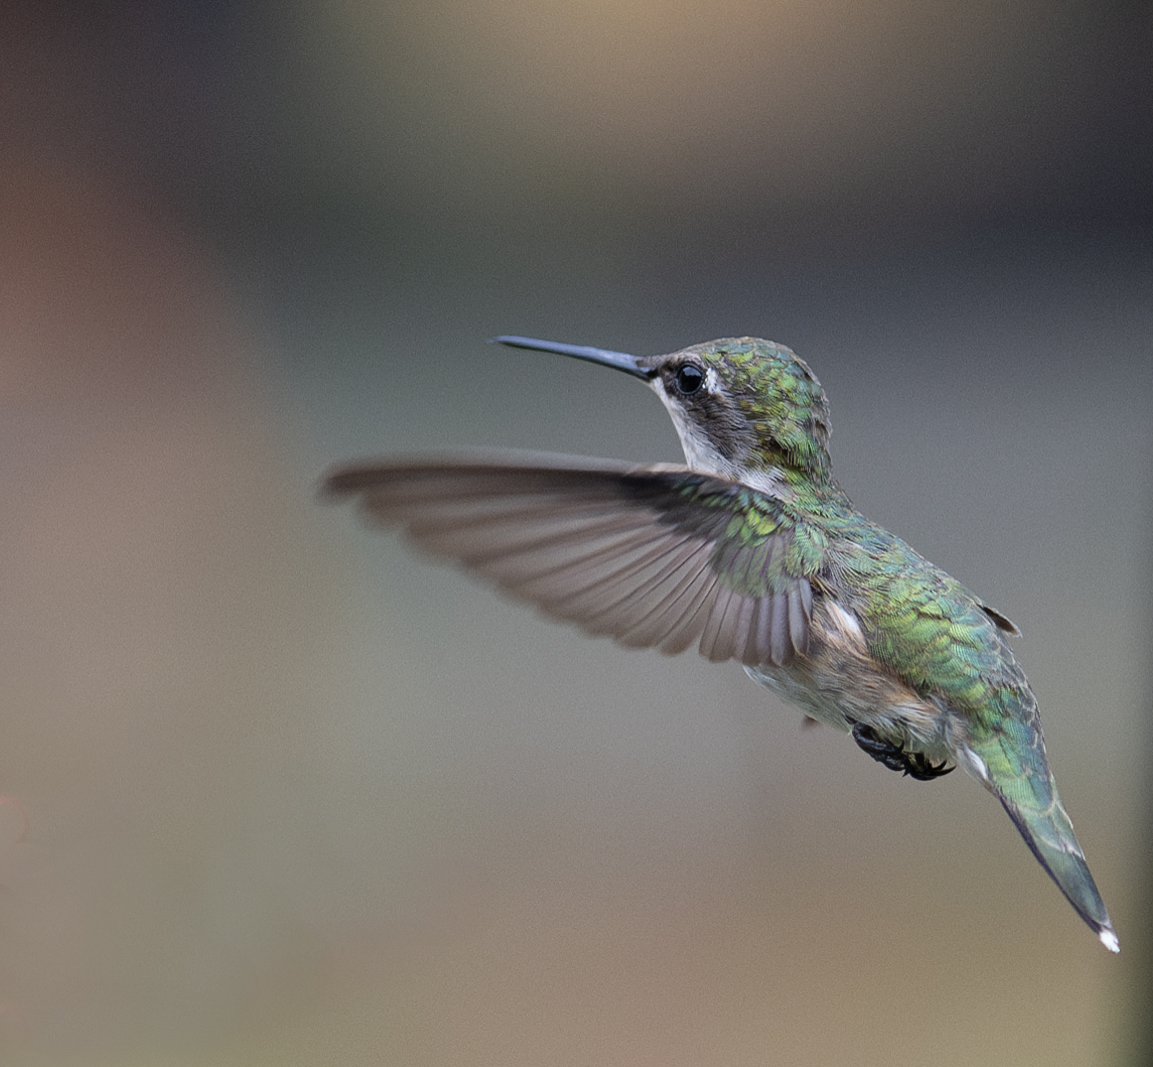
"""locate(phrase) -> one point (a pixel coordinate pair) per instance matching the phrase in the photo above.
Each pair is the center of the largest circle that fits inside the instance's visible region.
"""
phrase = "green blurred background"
(298, 797)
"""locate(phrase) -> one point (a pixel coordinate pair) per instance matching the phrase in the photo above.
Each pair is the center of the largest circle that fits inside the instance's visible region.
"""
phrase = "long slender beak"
(620, 360)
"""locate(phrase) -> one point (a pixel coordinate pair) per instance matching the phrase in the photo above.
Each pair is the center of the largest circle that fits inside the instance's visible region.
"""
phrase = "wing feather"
(799, 612)
(720, 627)
(637, 553)
(780, 651)
(654, 625)
(762, 644)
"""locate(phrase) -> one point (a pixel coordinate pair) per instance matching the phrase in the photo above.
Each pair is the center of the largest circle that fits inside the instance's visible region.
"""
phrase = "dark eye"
(689, 378)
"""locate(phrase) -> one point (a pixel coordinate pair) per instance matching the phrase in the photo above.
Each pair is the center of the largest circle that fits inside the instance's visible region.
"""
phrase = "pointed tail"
(1009, 760)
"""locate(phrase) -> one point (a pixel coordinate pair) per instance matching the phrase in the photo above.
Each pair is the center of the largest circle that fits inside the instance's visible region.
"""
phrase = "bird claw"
(920, 767)
(915, 764)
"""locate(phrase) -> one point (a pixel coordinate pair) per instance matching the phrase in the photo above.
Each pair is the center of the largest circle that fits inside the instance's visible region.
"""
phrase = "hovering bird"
(752, 551)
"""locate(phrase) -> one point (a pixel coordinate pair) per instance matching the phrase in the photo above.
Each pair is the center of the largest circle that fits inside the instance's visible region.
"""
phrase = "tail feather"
(1052, 841)
(1010, 762)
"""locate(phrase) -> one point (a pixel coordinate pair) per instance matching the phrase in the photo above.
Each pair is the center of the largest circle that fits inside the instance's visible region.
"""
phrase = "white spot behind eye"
(712, 382)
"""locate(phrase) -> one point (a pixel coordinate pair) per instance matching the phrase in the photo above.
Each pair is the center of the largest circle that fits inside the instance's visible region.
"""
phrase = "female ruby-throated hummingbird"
(755, 553)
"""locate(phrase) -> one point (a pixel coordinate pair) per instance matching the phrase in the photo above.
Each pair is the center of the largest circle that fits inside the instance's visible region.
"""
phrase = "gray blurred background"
(296, 796)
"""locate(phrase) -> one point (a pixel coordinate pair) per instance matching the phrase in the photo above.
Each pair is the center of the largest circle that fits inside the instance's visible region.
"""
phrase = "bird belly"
(839, 684)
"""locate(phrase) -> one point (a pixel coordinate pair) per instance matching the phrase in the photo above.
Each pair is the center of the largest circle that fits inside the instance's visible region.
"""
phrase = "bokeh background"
(296, 796)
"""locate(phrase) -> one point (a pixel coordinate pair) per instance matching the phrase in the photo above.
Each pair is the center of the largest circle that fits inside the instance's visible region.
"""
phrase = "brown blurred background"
(296, 796)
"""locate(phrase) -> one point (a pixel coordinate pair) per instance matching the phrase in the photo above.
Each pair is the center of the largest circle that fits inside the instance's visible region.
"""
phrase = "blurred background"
(295, 795)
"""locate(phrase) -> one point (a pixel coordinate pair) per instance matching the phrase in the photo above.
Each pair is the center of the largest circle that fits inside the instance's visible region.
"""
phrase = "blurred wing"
(652, 556)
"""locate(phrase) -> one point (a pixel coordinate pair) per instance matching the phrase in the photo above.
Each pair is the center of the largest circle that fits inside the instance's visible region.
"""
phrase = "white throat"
(701, 455)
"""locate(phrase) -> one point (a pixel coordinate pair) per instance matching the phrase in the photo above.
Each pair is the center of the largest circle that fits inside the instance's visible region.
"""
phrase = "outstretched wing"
(652, 556)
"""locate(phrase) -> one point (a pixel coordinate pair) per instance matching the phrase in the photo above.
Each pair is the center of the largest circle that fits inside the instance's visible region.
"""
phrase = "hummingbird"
(752, 551)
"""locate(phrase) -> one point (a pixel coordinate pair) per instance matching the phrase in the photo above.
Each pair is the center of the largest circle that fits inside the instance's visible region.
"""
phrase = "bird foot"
(920, 767)
(914, 764)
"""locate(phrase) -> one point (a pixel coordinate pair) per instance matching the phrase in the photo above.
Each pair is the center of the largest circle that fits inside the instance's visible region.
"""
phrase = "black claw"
(919, 767)
(892, 756)
(915, 764)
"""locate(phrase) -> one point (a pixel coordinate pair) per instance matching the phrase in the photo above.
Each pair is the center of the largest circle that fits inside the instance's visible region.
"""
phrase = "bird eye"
(689, 378)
